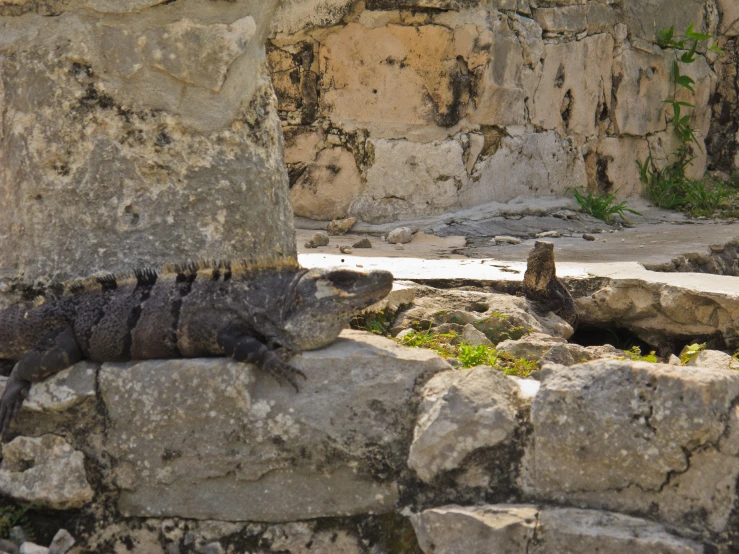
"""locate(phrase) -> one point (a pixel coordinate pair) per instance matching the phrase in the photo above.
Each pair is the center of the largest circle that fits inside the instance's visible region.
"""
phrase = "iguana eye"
(342, 278)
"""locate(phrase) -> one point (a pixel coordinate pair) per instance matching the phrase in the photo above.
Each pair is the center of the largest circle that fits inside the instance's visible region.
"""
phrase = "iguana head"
(320, 303)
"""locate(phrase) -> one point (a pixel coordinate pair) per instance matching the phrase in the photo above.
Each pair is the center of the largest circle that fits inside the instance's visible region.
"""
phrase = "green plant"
(602, 206)
(634, 353)
(684, 49)
(669, 186)
(707, 195)
(518, 367)
(690, 352)
(470, 356)
(13, 516)
(439, 343)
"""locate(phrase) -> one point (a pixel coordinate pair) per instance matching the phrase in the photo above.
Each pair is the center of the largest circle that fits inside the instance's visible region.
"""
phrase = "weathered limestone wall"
(393, 109)
(385, 449)
(134, 132)
(723, 138)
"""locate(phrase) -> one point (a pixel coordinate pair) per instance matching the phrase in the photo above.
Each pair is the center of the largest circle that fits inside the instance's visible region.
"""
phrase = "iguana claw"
(10, 403)
(281, 370)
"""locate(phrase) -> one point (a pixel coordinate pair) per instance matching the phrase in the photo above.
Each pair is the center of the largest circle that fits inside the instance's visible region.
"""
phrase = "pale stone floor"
(616, 253)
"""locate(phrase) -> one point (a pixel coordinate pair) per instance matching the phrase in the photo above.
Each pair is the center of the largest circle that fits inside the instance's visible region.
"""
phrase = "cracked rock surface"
(636, 437)
(137, 133)
(527, 529)
(334, 448)
(46, 470)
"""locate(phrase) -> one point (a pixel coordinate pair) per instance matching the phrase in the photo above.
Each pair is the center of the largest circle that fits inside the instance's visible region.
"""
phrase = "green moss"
(499, 327)
(469, 355)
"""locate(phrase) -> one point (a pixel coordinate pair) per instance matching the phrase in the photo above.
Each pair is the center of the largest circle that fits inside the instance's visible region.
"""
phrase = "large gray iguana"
(253, 313)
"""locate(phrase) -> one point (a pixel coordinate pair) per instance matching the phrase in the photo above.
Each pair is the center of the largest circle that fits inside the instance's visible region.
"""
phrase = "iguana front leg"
(245, 348)
(55, 352)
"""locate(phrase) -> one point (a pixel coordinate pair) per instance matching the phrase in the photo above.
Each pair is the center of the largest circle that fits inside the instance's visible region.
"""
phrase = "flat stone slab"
(215, 439)
(527, 529)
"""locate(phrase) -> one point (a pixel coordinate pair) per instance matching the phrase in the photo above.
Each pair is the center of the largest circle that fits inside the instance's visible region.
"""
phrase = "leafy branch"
(685, 51)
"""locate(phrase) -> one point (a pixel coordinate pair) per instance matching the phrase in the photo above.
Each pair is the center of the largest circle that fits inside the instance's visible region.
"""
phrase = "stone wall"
(392, 109)
(384, 450)
(134, 132)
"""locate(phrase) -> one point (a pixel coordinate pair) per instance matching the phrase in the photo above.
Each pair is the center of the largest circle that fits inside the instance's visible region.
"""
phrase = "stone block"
(410, 178)
(637, 437)
(612, 167)
(565, 19)
(646, 17)
(139, 137)
(575, 85)
(641, 82)
(326, 189)
(393, 77)
(533, 164)
(194, 438)
(461, 412)
(526, 529)
(46, 470)
(729, 11)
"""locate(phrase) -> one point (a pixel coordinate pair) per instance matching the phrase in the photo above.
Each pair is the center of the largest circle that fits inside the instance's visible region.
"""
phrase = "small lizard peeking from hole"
(542, 286)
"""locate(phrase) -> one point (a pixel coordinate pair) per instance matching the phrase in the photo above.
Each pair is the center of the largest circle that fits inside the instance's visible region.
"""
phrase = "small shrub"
(602, 206)
(518, 367)
(667, 187)
(13, 516)
(690, 352)
(706, 196)
(471, 356)
(634, 353)
(672, 189)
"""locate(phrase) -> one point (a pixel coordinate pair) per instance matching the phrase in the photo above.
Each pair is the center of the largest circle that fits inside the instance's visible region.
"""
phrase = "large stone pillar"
(134, 132)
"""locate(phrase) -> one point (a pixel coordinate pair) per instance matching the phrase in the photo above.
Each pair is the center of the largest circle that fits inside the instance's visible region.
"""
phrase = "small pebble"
(8, 546)
(360, 265)
(309, 244)
(33, 548)
(346, 249)
(341, 226)
(363, 243)
(502, 239)
(588, 237)
(320, 239)
(399, 247)
(401, 235)
(61, 542)
(551, 234)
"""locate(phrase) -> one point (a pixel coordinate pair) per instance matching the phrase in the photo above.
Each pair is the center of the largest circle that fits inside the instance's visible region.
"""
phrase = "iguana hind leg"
(245, 348)
(55, 352)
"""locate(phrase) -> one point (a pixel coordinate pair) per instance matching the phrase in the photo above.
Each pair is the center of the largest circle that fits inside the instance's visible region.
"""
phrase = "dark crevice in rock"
(619, 337)
(461, 83)
(721, 143)
(601, 174)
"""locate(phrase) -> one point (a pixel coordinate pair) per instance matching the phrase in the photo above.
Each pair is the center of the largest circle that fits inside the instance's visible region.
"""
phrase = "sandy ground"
(616, 252)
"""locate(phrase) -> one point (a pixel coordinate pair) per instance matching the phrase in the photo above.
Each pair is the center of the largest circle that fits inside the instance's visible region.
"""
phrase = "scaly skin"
(257, 315)
(541, 285)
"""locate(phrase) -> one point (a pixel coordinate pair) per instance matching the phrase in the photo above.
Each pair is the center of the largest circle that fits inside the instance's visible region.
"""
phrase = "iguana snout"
(323, 301)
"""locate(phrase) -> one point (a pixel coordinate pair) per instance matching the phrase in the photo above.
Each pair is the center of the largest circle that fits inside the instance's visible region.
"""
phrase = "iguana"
(252, 313)
(542, 286)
